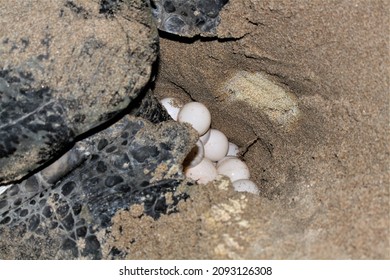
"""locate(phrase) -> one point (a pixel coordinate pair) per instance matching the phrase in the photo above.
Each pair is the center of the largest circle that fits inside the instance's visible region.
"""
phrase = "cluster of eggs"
(213, 153)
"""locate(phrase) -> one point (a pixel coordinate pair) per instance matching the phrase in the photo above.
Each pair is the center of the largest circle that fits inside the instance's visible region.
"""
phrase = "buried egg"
(217, 146)
(203, 173)
(197, 115)
(172, 105)
(245, 185)
(234, 168)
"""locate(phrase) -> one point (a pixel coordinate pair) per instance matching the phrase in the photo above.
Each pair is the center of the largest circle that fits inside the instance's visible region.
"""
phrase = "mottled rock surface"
(65, 67)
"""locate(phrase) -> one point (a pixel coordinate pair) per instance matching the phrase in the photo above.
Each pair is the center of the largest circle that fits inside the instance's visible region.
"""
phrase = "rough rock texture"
(324, 179)
(65, 67)
(131, 162)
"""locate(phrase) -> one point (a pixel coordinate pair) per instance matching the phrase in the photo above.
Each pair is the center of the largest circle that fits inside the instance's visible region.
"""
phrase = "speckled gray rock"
(188, 18)
(65, 71)
(133, 161)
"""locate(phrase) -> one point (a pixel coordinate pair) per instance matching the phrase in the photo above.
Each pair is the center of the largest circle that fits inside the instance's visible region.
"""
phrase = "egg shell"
(245, 185)
(234, 168)
(172, 105)
(197, 115)
(217, 146)
(203, 173)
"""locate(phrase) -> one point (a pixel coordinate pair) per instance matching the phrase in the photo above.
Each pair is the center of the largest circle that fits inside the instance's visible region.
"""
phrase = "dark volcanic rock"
(66, 71)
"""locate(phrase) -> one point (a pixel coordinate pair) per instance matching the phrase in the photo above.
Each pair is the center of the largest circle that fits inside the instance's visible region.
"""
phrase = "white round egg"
(203, 173)
(245, 185)
(233, 150)
(234, 168)
(195, 156)
(196, 114)
(172, 105)
(217, 146)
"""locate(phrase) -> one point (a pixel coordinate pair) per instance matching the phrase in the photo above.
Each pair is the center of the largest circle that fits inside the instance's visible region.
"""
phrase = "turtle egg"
(197, 115)
(234, 168)
(195, 156)
(203, 173)
(217, 146)
(245, 185)
(233, 150)
(172, 105)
